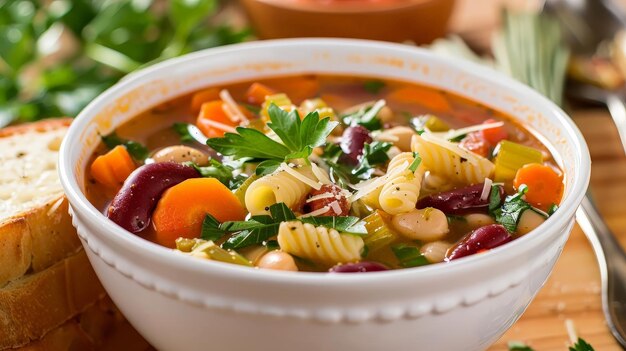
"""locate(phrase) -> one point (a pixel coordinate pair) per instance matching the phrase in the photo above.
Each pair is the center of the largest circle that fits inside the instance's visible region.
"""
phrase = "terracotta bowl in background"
(420, 21)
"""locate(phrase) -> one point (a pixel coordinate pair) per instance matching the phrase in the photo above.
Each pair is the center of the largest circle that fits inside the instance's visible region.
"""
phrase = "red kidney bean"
(359, 267)
(352, 142)
(133, 205)
(483, 238)
(459, 201)
(338, 196)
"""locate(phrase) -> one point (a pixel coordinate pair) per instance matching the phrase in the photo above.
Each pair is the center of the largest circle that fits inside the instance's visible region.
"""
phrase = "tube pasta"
(277, 187)
(448, 162)
(319, 243)
(401, 192)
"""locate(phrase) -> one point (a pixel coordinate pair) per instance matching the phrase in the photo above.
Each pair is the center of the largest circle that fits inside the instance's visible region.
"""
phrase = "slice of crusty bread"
(35, 228)
(32, 306)
(100, 327)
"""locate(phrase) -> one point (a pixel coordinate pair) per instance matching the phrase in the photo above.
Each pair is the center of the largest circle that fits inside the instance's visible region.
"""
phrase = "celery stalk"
(379, 234)
(511, 157)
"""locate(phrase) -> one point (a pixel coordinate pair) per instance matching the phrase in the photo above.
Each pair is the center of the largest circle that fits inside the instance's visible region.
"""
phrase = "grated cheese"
(377, 182)
(320, 197)
(335, 207)
(453, 133)
(220, 126)
(316, 212)
(301, 177)
(571, 331)
(230, 104)
(322, 177)
(486, 189)
(468, 155)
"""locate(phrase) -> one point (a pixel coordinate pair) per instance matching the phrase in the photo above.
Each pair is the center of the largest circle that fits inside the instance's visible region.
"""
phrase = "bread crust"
(38, 303)
(40, 126)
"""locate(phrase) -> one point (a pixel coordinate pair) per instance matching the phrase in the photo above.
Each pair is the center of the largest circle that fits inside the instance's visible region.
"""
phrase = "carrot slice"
(298, 88)
(203, 96)
(494, 135)
(213, 121)
(545, 185)
(183, 207)
(431, 99)
(112, 168)
(257, 92)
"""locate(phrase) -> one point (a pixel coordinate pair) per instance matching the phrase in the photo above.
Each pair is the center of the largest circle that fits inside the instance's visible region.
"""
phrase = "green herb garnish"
(581, 345)
(272, 245)
(451, 218)
(374, 154)
(182, 129)
(223, 173)
(261, 228)
(409, 256)
(416, 162)
(210, 229)
(552, 209)
(518, 346)
(366, 116)
(511, 211)
(298, 137)
(494, 198)
(135, 149)
(373, 86)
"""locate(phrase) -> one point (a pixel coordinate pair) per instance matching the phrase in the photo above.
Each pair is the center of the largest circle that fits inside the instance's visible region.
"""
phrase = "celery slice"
(241, 191)
(211, 251)
(280, 100)
(511, 157)
(379, 234)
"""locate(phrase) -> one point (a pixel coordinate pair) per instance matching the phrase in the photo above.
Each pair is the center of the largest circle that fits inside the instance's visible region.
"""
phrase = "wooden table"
(573, 289)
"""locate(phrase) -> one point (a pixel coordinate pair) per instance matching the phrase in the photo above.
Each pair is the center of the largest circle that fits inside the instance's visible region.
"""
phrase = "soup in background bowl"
(450, 110)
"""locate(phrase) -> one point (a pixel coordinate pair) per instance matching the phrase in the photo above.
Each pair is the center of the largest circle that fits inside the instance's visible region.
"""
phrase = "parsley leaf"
(210, 229)
(416, 162)
(373, 154)
(552, 209)
(135, 149)
(511, 211)
(258, 228)
(267, 167)
(346, 225)
(221, 172)
(298, 137)
(366, 116)
(494, 198)
(409, 256)
(248, 142)
(519, 346)
(261, 228)
(182, 129)
(374, 86)
(581, 345)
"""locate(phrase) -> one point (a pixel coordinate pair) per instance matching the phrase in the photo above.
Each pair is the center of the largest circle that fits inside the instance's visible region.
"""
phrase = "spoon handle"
(617, 109)
(612, 264)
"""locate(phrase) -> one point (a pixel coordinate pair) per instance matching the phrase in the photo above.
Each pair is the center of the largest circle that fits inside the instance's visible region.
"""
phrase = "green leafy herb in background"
(102, 41)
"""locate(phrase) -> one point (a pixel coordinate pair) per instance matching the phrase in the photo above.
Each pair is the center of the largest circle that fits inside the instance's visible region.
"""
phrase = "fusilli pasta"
(279, 186)
(400, 193)
(448, 160)
(319, 243)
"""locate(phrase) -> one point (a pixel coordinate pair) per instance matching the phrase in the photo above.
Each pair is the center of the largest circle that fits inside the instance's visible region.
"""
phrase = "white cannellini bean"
(529, 221)
(385, 114)
(436, 251)
(180, 154)
(477, 220)
(427, 224)
(278, 260)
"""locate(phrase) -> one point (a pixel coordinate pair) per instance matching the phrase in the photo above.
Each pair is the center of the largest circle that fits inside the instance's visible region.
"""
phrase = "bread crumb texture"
(28, 170)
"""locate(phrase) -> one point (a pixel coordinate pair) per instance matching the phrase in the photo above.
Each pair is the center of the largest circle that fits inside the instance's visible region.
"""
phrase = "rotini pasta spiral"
(400, 193)
(277, 187)
(448, 160)
(319, 243)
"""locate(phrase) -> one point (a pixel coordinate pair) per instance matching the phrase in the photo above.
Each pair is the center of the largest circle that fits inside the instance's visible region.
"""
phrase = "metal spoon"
(588, 23)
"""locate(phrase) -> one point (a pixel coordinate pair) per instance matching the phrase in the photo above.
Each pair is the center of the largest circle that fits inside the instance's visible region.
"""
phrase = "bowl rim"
(81, 205)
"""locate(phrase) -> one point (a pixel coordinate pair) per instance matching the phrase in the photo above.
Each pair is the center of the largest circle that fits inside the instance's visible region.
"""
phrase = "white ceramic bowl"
(181, 303)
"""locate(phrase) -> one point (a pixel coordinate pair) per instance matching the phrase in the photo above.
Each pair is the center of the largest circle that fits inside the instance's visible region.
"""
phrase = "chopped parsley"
(223, 173)
(552, 209)
(135, 149)
(259, 229)
(416, 162)
(409, 256)
(373, 86)
(511, 211)
(298, 138)
(495, 200)
(182, 129)
(581, 345)
(366, 116)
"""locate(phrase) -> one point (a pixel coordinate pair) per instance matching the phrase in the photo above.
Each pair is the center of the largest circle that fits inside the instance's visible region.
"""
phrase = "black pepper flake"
(463, 159)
